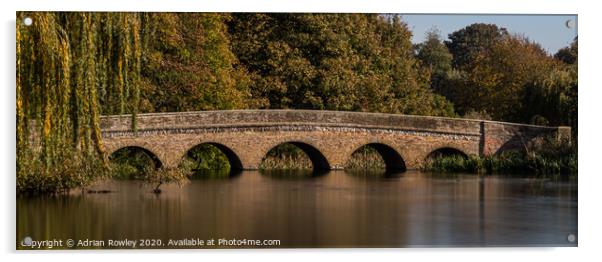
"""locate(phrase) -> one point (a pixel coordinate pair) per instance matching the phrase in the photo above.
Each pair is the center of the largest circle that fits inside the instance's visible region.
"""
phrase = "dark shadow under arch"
(156, 161)
(233, 159)
(446, 151)
(393, 160)
(318, 160)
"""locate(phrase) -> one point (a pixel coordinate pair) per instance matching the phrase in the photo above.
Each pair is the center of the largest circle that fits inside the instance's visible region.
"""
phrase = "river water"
(335, 209)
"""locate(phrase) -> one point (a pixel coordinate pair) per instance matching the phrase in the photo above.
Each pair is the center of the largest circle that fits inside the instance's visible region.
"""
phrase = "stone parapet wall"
(187, 120)
(498, 136)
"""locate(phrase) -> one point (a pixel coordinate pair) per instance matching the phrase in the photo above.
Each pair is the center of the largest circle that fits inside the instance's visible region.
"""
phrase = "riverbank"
(511, 162)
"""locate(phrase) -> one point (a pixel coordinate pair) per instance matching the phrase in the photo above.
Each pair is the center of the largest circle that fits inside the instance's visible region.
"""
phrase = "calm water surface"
(335, 209)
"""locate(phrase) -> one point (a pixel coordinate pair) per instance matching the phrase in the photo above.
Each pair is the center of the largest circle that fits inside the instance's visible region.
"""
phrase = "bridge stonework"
(328, 137)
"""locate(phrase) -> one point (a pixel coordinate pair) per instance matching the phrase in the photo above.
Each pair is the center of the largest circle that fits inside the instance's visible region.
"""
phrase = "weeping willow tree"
(68, 64)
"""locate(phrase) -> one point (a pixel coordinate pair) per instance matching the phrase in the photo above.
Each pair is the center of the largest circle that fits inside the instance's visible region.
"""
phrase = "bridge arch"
(445, 151)
(392, 158)
(233, 158)
(151, 155)
(317, 158)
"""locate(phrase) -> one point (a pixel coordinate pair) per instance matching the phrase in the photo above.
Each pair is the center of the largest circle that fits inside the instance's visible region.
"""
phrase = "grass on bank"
(541, 162)
(290, 157)
(69, 170)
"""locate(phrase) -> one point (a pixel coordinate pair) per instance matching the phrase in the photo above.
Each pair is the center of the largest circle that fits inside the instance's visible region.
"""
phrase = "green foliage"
(132, 163)
(161, 176)
(69, 171)
(433, 54)
(207, 156)
(286, 157)
(289, 157)
(553, 97)
(206, 161)
(480, 115)
(569, 54)
(505, 77)
(64, 61)
(454, 163)
(365, 158)
(563, 162)
(188, 64)
(138, 164)
(358, 62)
(203, 161)
(466, 43)
(509, 81)
(437, 61)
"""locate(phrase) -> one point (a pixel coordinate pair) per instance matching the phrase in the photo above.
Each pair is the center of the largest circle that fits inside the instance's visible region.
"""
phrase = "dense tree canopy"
(568, 54)
(188, 64)
(434, 54)
(337, 62)
(436, 59)
(509, 78)
(494, 81)
(472, 40)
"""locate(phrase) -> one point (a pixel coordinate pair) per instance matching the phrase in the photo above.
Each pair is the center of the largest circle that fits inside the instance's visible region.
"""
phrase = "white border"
(589, 98)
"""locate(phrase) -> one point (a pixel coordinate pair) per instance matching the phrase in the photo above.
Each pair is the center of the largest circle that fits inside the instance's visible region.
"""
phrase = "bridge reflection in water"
(334, 210)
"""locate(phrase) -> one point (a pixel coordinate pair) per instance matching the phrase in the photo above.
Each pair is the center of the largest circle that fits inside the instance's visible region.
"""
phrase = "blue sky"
(549, 31)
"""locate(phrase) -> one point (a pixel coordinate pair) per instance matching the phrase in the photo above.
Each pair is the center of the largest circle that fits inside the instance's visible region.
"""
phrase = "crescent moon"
(569, 23)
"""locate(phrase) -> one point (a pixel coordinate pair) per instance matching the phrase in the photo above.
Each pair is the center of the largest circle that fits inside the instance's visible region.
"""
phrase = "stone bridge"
(327, 137)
